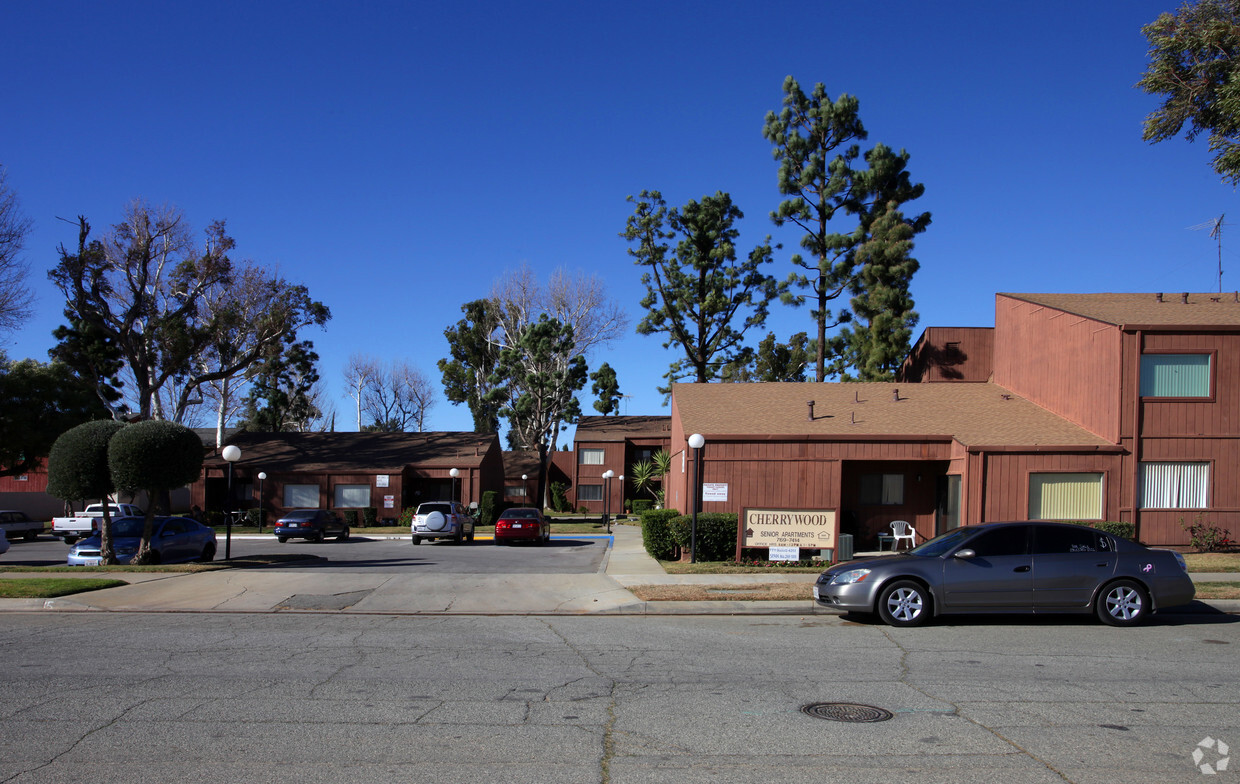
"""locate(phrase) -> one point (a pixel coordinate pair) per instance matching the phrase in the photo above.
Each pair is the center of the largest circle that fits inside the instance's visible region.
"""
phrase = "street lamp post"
(231, 454)
(607, 475)
(696, 442)
(621, 478)
(261, 476)
(525, 488)
(454, 473)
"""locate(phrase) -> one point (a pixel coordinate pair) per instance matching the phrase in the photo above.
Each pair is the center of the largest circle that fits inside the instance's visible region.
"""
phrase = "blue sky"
(398, 158)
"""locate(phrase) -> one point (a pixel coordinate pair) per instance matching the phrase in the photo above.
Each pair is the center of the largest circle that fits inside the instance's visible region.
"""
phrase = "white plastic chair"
(901, 529)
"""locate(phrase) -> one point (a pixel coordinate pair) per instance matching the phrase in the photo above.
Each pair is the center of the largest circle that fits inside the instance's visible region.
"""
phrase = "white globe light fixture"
(231, 454)
(696, 442)
(454, 473)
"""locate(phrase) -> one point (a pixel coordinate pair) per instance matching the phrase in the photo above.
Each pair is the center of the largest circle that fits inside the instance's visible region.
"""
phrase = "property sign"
(389, 502)
(381, 480)
(714, 491)
(808, 528)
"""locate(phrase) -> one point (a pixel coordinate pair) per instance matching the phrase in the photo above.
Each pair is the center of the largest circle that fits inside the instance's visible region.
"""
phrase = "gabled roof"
(1174, 310)
(973, 413)
(360, 452)
(619, 428)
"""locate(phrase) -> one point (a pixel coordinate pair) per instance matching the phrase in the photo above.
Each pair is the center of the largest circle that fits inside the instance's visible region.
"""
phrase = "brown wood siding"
(1065, 363)
(950, 354)
(613, 459)
(1007, 481)
(1215, 416)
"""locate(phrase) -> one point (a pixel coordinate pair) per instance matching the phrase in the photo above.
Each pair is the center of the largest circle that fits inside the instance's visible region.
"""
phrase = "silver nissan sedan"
(1030, 567)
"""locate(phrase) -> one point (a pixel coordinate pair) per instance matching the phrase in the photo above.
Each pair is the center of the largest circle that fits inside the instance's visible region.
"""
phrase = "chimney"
(810, 403)
(1158, 297)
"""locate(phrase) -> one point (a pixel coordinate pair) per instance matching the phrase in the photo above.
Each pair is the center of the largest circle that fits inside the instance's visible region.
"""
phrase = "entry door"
(947, 508)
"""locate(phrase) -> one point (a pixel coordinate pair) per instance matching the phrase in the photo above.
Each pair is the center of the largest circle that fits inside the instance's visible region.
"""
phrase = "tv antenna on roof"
(1216, 233)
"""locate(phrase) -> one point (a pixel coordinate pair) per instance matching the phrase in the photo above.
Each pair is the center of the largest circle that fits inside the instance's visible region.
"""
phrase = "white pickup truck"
(80, 526)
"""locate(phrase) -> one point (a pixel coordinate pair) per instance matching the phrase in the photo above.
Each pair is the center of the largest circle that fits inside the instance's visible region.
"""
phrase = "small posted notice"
(785, 554)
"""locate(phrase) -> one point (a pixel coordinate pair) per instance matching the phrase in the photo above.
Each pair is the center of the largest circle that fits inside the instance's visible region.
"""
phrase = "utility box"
(846, 547)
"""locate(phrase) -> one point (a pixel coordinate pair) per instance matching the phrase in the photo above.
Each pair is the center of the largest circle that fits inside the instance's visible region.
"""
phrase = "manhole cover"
(845, 711)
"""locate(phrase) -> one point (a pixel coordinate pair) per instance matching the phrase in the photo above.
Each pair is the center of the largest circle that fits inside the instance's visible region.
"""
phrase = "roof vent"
(1184, 298)
(810, 403)
(895, 395)
(1158, 297)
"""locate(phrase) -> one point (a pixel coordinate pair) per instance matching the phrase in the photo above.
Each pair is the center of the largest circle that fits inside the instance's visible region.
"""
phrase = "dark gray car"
(1033, 567)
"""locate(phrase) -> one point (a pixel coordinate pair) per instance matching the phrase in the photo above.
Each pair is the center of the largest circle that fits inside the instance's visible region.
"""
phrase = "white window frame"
(1169, 484)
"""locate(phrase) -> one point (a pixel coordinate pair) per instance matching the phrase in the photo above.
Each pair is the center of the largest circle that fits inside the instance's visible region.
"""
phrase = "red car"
(522, 525)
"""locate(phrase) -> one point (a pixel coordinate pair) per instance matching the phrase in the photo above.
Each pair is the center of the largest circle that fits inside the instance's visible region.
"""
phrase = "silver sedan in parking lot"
(1031, 567)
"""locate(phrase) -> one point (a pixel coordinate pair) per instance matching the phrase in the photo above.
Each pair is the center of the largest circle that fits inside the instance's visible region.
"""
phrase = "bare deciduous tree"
(359, 373)
(16, 298)
(398, 397)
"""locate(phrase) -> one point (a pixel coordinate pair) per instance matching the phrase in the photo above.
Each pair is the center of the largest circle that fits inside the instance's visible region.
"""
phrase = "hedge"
(657, 535)
(716, 535)
(1115, 528)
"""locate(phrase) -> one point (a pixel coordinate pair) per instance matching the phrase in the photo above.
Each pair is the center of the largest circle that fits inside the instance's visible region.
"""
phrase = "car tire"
(70, 539)
(31, 535)
(343, 536)
(904, 603)
(459, 536)
(318, 537)
(281, 539)
(1122, 603)
(417, 540)
(208, 553)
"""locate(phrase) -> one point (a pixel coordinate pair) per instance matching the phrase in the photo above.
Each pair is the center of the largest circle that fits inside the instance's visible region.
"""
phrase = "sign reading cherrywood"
(808, 528)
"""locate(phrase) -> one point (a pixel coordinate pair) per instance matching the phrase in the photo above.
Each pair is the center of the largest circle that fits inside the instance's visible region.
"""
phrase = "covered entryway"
(875, 493)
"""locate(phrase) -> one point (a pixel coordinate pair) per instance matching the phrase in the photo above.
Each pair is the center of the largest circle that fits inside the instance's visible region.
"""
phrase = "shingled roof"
(975, 414)
(618, 428)
(1178, 309)
(361, 452)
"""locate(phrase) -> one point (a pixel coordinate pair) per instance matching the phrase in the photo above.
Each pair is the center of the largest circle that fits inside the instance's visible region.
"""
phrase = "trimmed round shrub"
(77, 465)
(155, 455)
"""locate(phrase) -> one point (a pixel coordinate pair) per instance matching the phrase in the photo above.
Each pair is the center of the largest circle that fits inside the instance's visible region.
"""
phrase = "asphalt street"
(312, 697)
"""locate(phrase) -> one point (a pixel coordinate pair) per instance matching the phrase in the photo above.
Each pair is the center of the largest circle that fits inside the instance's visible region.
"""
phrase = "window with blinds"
(590, 456)
(1175, 375)
(589, 492)
(1065, 496)
(1175, 485)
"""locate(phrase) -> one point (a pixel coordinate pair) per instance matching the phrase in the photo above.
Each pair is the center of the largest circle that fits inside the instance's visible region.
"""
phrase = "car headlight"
(126, 550)
(850, 577)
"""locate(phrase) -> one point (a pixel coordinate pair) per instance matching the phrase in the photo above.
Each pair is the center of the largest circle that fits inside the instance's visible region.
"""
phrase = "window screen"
(302, 496)
(1175, 485)
(882, 489)
(1175, 375)
(1065, 496)
(355, 496)
(590, 456)
(589, 492)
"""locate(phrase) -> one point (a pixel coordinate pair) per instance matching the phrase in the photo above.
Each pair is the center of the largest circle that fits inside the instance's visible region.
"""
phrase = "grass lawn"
(1213, 562)
(50, 587)
(775, 592)
(1220, 590)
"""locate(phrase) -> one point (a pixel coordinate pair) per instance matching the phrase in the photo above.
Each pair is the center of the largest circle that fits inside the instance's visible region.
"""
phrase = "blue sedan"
(173, 540)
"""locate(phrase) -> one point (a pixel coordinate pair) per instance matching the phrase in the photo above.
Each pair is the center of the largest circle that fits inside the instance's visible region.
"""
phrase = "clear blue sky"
(398, 158)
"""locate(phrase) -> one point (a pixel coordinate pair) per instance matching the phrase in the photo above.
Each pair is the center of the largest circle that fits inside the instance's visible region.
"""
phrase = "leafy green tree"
(773, 361)
(281, 397)
(156, 456)
(697, 292)
(877, 341)
(607, 388)
(1195, 66)
(475, 354)
(38, 402)
(647, 475)
(77, 470)
(535, 384)
(815, 140)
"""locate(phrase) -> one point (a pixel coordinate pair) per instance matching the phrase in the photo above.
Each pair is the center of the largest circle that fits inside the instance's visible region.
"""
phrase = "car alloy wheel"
(1123, 603)
(904, 603)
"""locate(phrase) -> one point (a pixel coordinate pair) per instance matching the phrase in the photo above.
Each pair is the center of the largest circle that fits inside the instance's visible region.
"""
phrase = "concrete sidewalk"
(290, 589)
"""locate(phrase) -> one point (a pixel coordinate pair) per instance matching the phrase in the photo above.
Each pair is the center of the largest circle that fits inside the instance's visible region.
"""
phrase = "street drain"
(846, 711)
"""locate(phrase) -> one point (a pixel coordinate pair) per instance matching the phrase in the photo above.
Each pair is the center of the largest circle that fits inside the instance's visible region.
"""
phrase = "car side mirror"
(966, 553)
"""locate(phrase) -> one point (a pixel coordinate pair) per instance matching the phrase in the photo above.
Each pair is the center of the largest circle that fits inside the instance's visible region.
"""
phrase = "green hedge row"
(665, 532)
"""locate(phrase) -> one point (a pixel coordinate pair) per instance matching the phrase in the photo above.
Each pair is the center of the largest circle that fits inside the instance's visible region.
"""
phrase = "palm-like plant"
(647, 475)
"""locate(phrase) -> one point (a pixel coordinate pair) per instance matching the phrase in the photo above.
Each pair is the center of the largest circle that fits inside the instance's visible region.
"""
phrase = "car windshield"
(128, 526)
(426, 509)
(942, 543)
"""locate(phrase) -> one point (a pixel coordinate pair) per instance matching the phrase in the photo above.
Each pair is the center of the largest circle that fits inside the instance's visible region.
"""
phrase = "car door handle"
(1021, 569)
